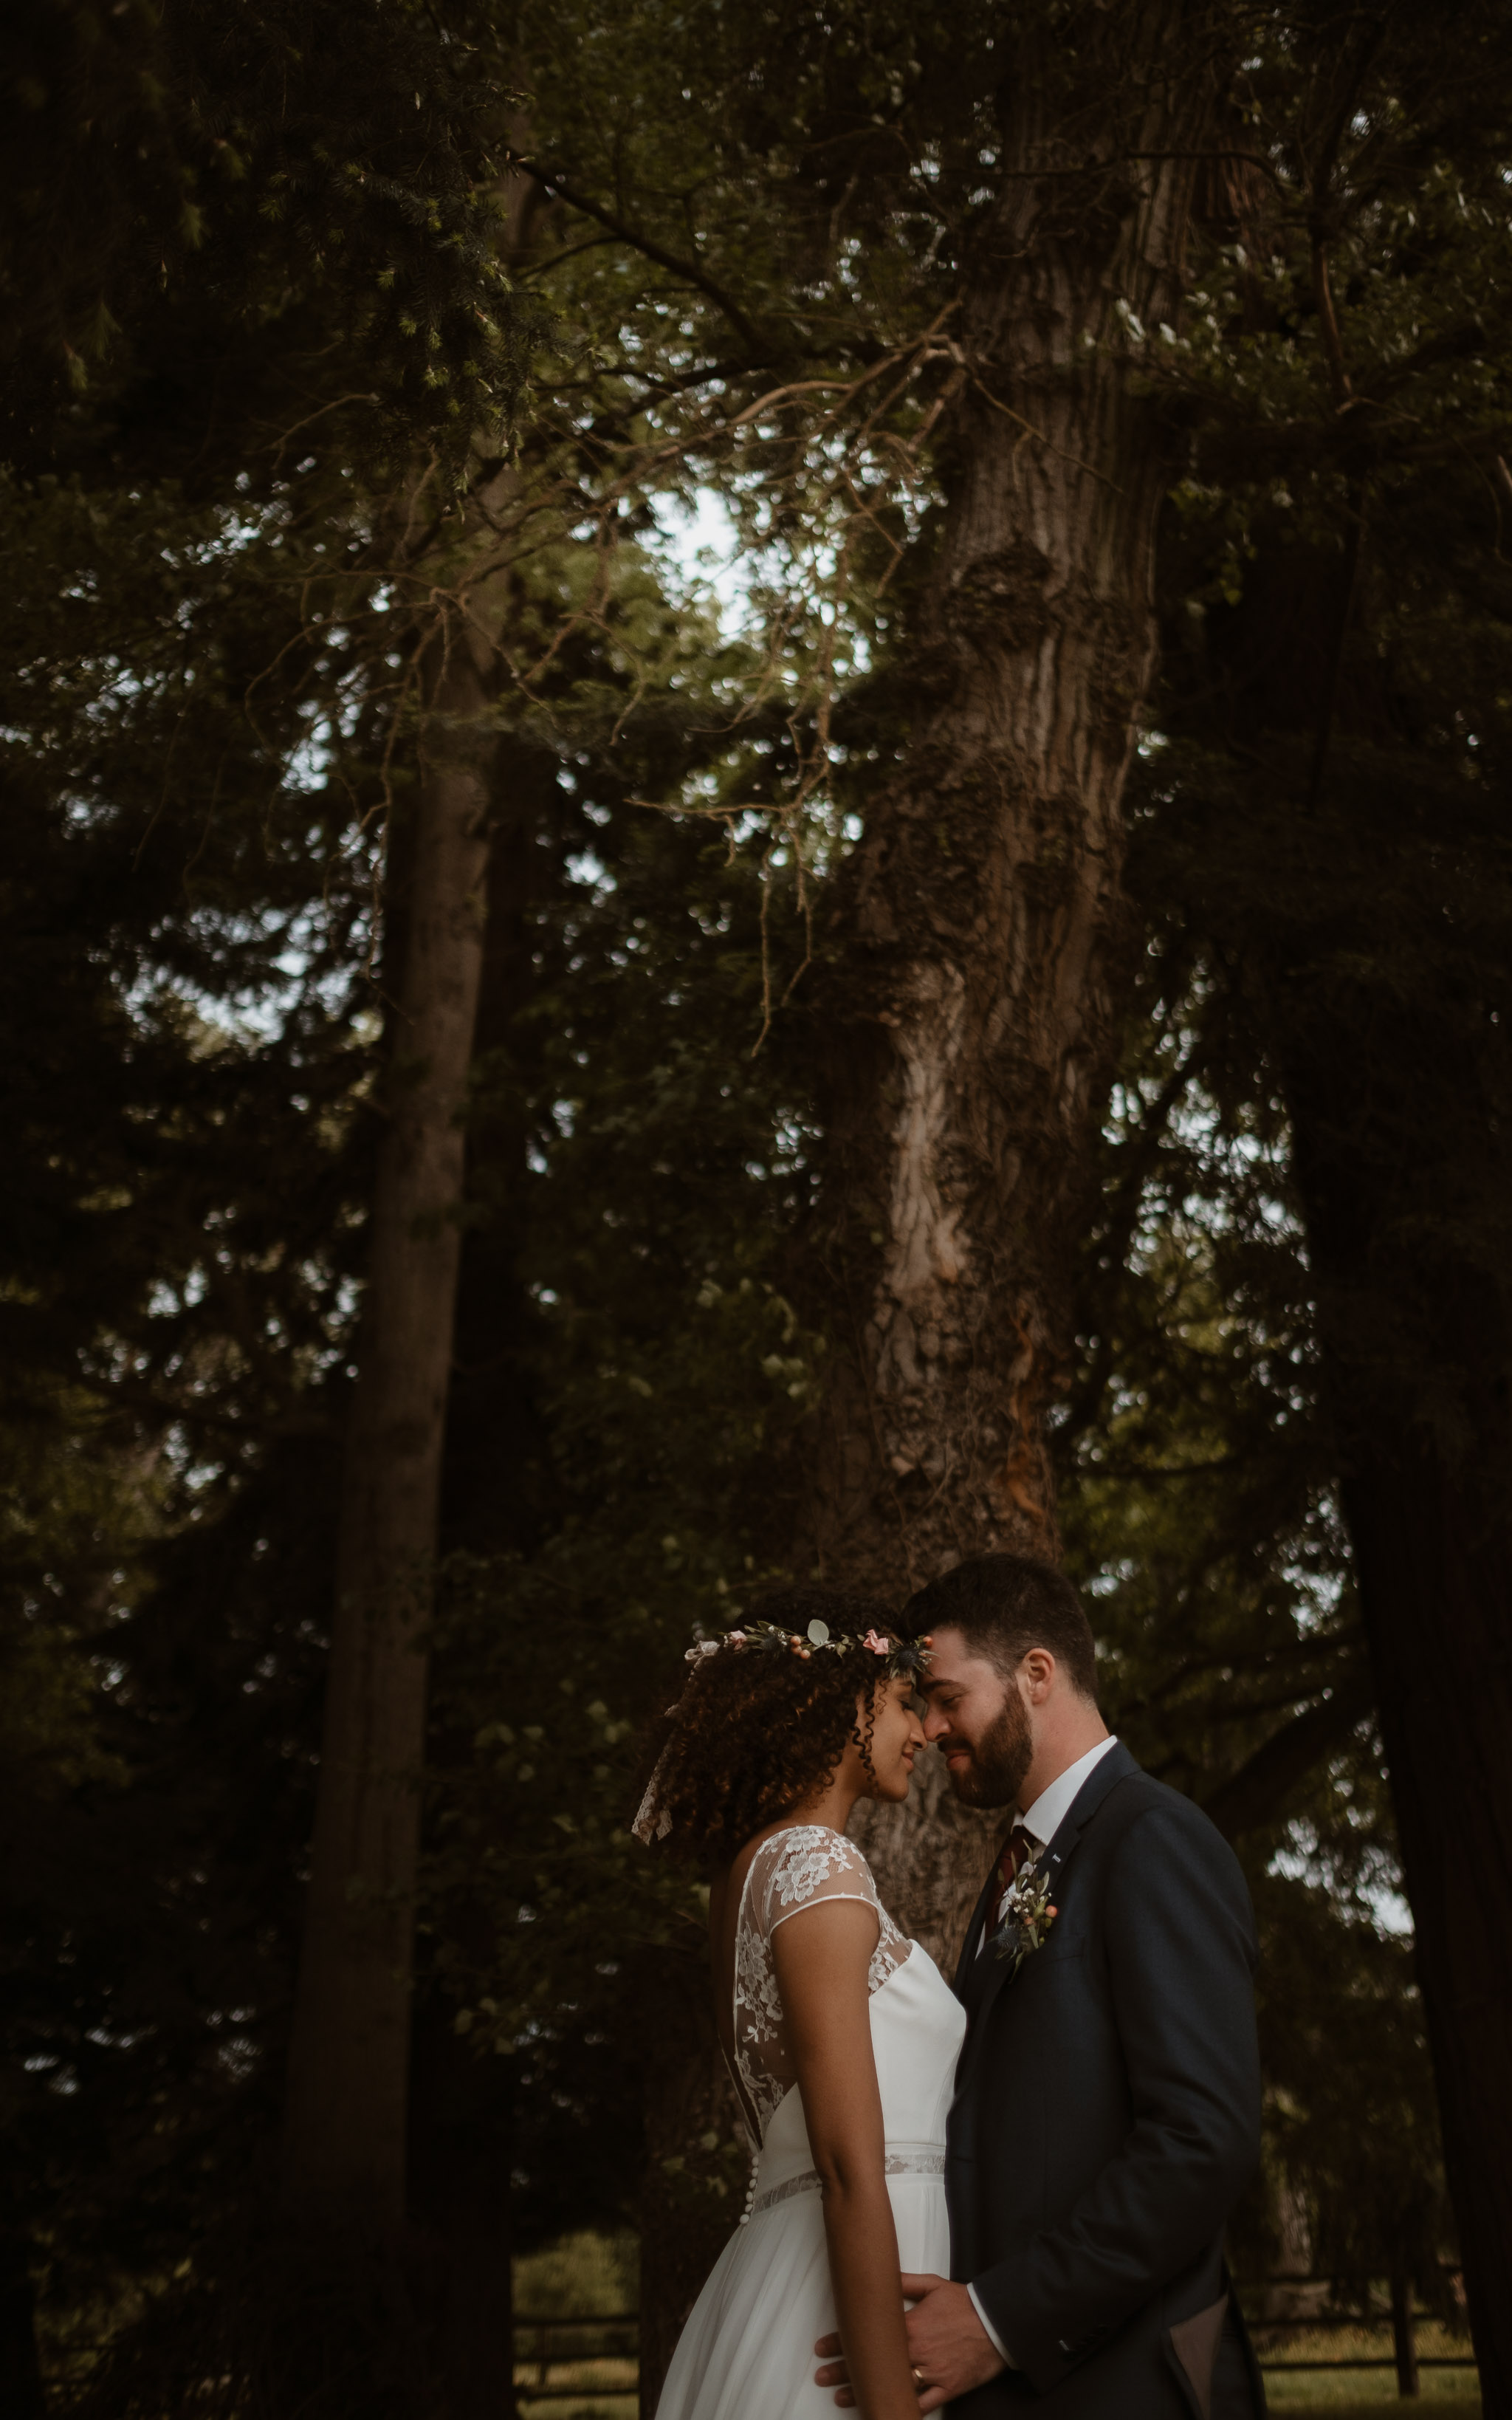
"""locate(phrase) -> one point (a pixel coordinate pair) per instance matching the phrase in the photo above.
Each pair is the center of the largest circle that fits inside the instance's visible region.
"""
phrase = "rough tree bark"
(963, 1031)
(971, 1018)
(348, 2063)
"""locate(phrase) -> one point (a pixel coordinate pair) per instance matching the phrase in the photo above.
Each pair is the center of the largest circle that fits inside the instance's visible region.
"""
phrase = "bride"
(839, 2035)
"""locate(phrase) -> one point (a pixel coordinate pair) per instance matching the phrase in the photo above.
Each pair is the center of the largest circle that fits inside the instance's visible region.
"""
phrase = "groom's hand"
(949, 2349)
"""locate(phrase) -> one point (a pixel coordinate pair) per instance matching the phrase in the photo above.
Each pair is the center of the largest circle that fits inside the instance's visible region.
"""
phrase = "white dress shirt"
(1042, 1821)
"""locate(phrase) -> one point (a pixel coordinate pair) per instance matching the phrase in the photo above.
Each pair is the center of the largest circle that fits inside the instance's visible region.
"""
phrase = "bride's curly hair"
(754, 1735)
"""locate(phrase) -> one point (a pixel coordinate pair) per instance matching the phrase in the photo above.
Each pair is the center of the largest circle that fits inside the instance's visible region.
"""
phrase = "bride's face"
(897, 1736)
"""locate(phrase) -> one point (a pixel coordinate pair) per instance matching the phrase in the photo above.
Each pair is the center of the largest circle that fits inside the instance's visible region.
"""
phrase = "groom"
(1108, 2110)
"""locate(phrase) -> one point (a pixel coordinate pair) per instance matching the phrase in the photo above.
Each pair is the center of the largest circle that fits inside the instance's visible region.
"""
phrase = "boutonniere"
(1026, 1917)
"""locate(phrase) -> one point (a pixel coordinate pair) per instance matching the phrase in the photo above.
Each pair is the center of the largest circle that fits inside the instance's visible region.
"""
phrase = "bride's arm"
(822, 1955)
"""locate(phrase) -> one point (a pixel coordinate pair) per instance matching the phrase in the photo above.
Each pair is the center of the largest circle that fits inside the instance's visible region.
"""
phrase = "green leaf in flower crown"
(819, 1634)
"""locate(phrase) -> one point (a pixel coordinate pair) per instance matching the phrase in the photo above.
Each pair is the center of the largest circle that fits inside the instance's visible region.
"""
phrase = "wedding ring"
(918, 2375)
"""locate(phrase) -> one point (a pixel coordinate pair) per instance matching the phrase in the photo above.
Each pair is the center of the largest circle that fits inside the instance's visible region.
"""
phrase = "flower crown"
(901, 1658)
(895, 1659)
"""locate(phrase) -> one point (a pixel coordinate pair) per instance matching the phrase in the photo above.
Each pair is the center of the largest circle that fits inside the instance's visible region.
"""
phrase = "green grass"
(604, 2407)
(589, 2272)
(1356, 2394)
(1353, 2394)
(1345, 2395)
(593, 2407)
(580, 2275)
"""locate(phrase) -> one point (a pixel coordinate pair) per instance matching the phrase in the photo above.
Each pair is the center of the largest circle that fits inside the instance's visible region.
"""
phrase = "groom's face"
(980, 1723)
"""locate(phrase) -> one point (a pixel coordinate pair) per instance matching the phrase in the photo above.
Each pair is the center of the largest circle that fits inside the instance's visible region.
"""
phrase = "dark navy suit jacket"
(1108, 2117)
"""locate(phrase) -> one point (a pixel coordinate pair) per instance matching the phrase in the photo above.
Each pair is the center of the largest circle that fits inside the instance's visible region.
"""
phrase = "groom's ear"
(1036, 1671)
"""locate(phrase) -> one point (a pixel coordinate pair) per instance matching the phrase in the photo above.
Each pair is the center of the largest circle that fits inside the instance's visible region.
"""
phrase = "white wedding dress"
(747, 2352)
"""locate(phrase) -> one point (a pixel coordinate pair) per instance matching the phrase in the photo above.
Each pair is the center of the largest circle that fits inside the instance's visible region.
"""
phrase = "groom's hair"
(1004, 1605)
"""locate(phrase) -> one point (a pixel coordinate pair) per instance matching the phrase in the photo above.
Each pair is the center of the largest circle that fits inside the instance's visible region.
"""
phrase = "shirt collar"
(1051, 1808)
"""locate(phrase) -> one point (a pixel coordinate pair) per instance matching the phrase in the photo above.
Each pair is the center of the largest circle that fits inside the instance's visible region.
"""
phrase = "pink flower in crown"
(878, 1645)
(735, 1638)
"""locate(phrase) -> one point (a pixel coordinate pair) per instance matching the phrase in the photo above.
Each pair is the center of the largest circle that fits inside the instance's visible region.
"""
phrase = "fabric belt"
(895, 2163)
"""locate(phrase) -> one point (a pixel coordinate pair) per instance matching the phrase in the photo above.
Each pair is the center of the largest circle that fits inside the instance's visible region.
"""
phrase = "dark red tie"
(1019, 1847)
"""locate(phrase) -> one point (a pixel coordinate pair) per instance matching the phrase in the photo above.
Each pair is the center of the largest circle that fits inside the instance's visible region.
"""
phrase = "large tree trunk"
(963, 1031)
(348, 2064)
(970, 1015)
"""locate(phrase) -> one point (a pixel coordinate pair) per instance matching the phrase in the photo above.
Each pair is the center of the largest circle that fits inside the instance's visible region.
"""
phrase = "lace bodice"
(792, 1870)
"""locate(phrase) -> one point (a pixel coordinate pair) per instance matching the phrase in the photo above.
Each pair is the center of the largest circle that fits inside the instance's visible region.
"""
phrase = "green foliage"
(582, 2273)
(181, 974)
(668, 1374)
(1351, 2120)
(226, 224)
(1199, 1510)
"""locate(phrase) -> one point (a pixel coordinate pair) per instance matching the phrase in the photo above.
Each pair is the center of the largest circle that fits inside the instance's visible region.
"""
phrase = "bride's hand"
(949, 2349)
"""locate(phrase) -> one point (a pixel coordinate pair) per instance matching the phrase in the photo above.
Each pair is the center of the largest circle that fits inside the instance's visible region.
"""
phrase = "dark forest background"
(309, 314)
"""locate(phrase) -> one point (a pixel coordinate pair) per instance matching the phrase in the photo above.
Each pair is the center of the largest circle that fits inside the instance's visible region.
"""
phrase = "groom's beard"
(999, 1760)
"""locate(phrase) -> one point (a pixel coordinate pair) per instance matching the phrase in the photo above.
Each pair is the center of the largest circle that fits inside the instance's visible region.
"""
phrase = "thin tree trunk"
(1395, 1078)
(22, 2394)
(970, 1017)
(690, 2117)
(461, 2105)
(1433, 1552)
(495, 1486)
(344, 2143)
(1370, 933)
(1403, 2333)
(1398, 1151)
(1435, 1570)
(461, 2131)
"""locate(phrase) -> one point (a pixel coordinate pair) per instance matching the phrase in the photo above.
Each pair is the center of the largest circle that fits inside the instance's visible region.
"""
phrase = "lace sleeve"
(813, 1864)
(792, 1870)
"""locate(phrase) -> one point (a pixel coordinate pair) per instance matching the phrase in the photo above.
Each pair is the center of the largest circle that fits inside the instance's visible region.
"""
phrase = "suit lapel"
(1113, 1767)
(967, 1963)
